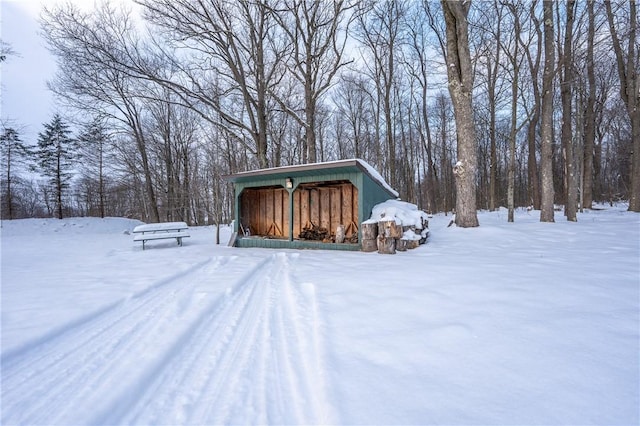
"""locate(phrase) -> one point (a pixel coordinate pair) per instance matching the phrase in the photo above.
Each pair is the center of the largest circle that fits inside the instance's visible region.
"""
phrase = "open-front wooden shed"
(307, 206)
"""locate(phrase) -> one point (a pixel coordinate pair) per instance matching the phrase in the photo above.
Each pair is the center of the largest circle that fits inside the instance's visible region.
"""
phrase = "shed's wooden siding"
(265, 211)
(328, 206)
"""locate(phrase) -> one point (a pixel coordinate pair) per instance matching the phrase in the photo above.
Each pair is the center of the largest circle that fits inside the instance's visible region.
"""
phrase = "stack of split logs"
(314, 232)
(387, 236)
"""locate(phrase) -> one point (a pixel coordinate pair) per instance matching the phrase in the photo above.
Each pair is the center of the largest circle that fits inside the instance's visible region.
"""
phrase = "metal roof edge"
(291, 169)
(359, 163)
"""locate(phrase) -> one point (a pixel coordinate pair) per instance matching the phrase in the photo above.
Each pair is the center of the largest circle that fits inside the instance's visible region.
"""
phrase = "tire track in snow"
(253, 357)
(44, 383)
(179, 382)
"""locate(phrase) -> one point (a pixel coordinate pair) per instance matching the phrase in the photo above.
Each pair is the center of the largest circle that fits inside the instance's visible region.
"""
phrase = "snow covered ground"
(508, 323)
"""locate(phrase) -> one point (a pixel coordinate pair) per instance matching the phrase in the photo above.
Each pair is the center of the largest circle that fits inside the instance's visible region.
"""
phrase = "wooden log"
(340, 234)
(401, 245)
(411, 244)
(386, 245)
(369, 230)
(369, 245)
(315, 233)
(390, 229)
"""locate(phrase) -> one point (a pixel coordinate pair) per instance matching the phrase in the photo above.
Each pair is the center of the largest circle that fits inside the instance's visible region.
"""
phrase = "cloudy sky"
(26, 101)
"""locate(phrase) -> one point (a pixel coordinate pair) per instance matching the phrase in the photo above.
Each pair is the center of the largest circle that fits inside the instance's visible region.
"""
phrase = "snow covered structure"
(306, 206)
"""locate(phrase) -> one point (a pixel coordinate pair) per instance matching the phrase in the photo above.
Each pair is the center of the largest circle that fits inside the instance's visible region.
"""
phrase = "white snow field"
(523, 323)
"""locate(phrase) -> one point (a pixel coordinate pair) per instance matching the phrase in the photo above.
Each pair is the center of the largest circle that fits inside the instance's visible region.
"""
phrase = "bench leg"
(179, 241)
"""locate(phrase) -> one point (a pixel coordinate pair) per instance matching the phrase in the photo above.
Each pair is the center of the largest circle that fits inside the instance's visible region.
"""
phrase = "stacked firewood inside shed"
(314, 232)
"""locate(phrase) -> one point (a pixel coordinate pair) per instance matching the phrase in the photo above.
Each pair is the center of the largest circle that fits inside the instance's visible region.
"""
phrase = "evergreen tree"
(13, 152)
(55, 157)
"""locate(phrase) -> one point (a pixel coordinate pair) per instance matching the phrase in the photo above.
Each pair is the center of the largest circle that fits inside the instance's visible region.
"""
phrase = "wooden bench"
(161, 231)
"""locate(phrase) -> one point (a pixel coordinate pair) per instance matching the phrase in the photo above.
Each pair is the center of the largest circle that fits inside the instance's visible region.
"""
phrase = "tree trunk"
(59, 180)
(9, 196)
(571, 187)
(590, 116)
(310, 125)
(460, 76)
(532, 130)
(101, 185)
(493, 166)
(511, 171)
(546, 130)
(629, 93)
(546, 160)
(432, 177)
(153, 204)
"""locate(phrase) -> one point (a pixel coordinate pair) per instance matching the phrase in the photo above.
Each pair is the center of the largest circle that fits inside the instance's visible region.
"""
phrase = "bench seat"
(161, 235)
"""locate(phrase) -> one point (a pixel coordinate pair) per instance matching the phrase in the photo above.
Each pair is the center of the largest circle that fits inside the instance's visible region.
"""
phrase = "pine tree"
(14, 153)
(55, 158)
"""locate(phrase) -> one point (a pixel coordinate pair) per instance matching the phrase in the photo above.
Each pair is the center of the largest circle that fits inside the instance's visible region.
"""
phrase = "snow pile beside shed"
(394, 225)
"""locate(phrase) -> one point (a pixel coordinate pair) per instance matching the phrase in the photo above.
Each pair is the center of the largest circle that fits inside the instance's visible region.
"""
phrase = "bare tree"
(566, 83)
(354, 102)
(460, 76)
(5, 51)
(515, 61)
(628, 72)
(380, 30)
(236, 42)
(590, 114)
(419, 68)
(317, 32)
(546, 157)
(93, 143)
(93, 50)
(533, 60)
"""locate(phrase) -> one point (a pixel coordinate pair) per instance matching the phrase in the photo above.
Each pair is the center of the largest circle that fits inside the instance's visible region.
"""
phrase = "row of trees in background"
(174, 97)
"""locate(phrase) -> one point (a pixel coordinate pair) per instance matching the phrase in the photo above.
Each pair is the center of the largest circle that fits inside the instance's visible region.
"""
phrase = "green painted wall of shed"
(373, 194)
(257, 242)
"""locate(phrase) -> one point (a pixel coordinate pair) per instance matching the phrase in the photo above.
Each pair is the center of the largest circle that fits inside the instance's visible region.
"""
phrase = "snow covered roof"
(314, 168)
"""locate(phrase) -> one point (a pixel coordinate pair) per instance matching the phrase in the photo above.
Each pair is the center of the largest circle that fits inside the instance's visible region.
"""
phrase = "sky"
(26, 102)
